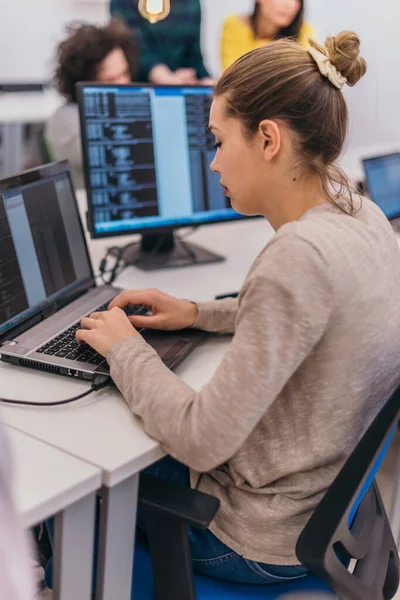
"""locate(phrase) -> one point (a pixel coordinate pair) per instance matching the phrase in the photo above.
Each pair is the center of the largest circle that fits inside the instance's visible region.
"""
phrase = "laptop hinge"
(44, 313)
(11, 334)
(50, 310)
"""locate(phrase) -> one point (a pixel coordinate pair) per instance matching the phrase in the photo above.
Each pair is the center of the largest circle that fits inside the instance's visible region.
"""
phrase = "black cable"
(230, 295)
(114, 270)
(119, 252)
(99, 382)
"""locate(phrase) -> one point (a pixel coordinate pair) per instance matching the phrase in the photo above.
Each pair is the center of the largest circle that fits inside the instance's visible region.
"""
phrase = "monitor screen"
(43, 253)
(383, 179)
(147, 155)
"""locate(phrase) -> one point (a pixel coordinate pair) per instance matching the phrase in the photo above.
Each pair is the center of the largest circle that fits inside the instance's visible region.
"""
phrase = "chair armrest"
(176, 501)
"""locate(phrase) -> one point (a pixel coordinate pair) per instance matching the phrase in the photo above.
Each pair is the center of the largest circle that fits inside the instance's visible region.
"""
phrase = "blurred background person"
(104, 54)
(170, 52)
(270, 20)
(16, 581)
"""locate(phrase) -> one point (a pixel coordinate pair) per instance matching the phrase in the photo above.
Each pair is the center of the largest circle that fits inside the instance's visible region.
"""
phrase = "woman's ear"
(270, 137)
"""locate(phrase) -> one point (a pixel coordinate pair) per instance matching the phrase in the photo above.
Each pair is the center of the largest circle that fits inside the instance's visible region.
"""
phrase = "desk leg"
(117, 540)
(395, 508)
(12, 134)
(73, 550)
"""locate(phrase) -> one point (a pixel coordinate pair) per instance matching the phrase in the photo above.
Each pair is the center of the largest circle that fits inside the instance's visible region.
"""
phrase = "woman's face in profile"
(238, 160)
(279, 13)
(114, 68)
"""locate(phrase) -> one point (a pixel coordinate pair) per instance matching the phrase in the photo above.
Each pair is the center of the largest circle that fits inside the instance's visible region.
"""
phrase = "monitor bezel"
(157, 229)
(378, 158)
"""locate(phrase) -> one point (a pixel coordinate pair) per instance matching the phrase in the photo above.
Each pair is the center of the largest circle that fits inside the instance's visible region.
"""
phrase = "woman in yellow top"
(271, 19)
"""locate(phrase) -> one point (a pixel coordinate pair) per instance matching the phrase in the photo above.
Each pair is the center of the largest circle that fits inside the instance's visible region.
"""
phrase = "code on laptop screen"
(42, 249)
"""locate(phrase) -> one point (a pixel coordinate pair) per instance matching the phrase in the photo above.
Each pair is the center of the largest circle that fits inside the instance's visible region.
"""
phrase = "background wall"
(29, 32)
(374, 102)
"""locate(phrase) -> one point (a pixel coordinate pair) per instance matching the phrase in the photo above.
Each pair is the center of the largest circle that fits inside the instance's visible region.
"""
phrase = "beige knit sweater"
(316, 350)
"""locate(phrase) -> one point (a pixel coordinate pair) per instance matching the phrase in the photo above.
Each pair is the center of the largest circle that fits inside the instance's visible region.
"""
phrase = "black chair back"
(348, 542)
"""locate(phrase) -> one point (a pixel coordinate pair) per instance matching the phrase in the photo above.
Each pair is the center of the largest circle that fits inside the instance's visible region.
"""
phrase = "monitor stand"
(165, 251)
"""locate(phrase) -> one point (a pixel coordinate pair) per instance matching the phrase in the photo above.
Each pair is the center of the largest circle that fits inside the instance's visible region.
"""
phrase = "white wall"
(375, 101)
(29, 31)
(25, 40)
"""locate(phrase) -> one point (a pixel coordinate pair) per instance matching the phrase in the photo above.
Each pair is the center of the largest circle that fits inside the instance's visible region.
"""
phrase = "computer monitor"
(147, 155)
(383, 179)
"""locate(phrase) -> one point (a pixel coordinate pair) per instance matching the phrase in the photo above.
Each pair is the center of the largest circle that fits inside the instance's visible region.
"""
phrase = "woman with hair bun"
(315, 349)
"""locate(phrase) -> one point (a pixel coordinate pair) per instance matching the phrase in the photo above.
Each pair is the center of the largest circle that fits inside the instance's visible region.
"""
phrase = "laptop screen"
(43, 255)
(383, 179)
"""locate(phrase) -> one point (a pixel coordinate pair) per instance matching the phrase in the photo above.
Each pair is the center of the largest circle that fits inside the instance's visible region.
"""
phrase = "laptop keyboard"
(64, 345)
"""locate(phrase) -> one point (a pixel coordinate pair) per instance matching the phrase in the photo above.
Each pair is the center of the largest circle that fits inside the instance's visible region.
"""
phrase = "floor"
(385, 479)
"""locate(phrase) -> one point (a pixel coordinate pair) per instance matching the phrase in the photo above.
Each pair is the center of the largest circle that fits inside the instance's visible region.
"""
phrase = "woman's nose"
(214, 166)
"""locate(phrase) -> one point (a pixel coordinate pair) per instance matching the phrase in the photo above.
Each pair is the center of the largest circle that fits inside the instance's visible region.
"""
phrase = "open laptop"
(383, 180)
(47, 283)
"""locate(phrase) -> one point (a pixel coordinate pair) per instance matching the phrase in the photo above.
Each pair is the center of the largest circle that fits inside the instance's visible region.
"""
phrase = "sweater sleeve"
(283, 312)
(217, 316)
(195, 59)
(194, 56)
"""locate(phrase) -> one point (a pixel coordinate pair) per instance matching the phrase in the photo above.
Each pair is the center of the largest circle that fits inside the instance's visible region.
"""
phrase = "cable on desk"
(99, 382)
(223, 296)
(118, 253)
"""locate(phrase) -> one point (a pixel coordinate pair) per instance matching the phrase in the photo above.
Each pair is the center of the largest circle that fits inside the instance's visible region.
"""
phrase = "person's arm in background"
(230, 42)
(197, 63)
(151, 66)
(194, 56)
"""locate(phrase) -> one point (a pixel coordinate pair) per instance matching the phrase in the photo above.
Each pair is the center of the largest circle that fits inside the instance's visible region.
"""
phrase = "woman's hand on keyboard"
(101, 330)
(167, 312)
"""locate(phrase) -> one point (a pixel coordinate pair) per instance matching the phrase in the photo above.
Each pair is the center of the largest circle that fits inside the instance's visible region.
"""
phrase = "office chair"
(347, 544)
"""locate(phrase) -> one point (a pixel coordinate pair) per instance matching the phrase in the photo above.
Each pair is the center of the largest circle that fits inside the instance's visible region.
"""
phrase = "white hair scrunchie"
(327, 68)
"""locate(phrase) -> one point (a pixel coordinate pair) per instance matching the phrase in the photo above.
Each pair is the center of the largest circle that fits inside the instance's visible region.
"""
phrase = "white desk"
(49, 482)
(100, 429)
(16, 109)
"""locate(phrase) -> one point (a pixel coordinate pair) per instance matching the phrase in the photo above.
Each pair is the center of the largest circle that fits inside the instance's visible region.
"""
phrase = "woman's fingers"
(88, 323)
(127, 297)
(152, 322)
(83, 336)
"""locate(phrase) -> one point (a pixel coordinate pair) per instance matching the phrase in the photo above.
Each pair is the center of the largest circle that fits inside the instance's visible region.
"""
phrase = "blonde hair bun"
(343, 51)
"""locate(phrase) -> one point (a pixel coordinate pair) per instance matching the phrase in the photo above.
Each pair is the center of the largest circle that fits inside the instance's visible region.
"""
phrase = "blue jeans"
(209, 555)
(213, 558)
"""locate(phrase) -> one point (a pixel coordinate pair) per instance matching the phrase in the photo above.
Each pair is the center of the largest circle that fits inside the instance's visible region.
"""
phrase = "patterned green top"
(175, 41)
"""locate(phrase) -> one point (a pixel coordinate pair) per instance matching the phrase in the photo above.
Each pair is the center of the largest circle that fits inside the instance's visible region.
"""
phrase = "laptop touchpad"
(165, 344)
